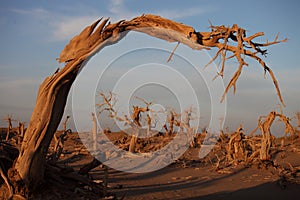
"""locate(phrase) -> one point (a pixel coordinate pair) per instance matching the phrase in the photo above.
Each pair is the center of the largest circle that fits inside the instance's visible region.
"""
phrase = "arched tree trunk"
(28, 170)
(51, 100)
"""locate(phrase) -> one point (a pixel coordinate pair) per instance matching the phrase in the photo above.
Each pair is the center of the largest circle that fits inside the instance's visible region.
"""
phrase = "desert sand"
(187, 178)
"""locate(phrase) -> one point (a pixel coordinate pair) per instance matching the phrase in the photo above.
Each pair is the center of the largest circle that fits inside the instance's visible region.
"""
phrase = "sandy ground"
(195, 180)
(194, 183)
(189, 178)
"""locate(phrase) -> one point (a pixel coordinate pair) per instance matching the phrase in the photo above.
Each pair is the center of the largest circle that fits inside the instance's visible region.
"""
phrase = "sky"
(33, 33)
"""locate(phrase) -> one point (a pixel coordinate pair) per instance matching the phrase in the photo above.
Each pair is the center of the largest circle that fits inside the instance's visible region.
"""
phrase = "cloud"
(117, 11)
(68, 27)
(64, 26)
(117, 6)
(37, 12)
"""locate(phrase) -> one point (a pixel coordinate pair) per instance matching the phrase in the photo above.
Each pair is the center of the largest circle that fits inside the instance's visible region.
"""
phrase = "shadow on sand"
(264, 191)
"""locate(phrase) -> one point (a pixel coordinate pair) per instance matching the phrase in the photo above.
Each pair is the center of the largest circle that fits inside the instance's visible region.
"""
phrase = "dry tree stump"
(264, 124)
(236, 148)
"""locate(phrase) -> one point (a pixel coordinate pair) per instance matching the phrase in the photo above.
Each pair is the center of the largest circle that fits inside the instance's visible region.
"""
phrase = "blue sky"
(33, 33)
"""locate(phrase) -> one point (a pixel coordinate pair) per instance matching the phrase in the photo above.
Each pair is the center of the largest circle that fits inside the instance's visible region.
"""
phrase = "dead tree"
(149, 123)
(94, 132)
(266, 140)
(65, 123)
(171, 123)
(298, 117)
(187, 125)
(21, 131)
(136, 116)
(135, 120)
(28, 170)
(182, 121)
(289, 129)
(59, 144)
(59, 140)
(265, 126)
(166, 129)
(236, 146)
(9, 127)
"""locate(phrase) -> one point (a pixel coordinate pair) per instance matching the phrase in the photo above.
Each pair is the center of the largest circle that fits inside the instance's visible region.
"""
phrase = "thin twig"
(171, 55)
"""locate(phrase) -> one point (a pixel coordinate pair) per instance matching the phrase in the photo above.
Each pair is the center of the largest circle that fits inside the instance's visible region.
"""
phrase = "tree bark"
(9, 128)
(30, 165)
(65, 123)
(132, 143)
(266, 141)
(94, 132)
(149, 120)
(21, 129)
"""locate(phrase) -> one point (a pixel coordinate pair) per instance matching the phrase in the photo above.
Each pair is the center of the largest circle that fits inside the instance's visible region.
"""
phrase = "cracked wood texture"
(28, 170)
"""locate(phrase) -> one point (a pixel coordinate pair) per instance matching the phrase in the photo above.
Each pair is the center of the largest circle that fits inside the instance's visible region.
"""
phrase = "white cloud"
(116, 6)
(63, 27)
(118, 10)
(68, 27)
(40, 12)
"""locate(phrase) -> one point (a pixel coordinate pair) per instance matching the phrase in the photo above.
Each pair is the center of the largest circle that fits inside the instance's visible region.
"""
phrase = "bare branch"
(171, 55)
(9, 187)
(145, 102)
(238, 35)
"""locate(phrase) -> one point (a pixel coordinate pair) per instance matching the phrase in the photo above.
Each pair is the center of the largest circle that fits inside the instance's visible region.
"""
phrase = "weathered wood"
(136, 117)
(94, 132)
(65, 123)
(88, 167)
(149, 122)
(21, 132)
(236, 148)
(9, 187)
(9, 128)
(298, 117)
(267, 138)
(171, 123)
(59, 141)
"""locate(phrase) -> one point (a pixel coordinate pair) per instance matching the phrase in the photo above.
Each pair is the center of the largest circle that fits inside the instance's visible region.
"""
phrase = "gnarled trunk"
(266, 140)
(51, 100)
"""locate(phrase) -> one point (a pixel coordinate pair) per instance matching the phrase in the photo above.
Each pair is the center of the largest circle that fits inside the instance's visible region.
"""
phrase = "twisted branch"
(245, 47)
(219, 37)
